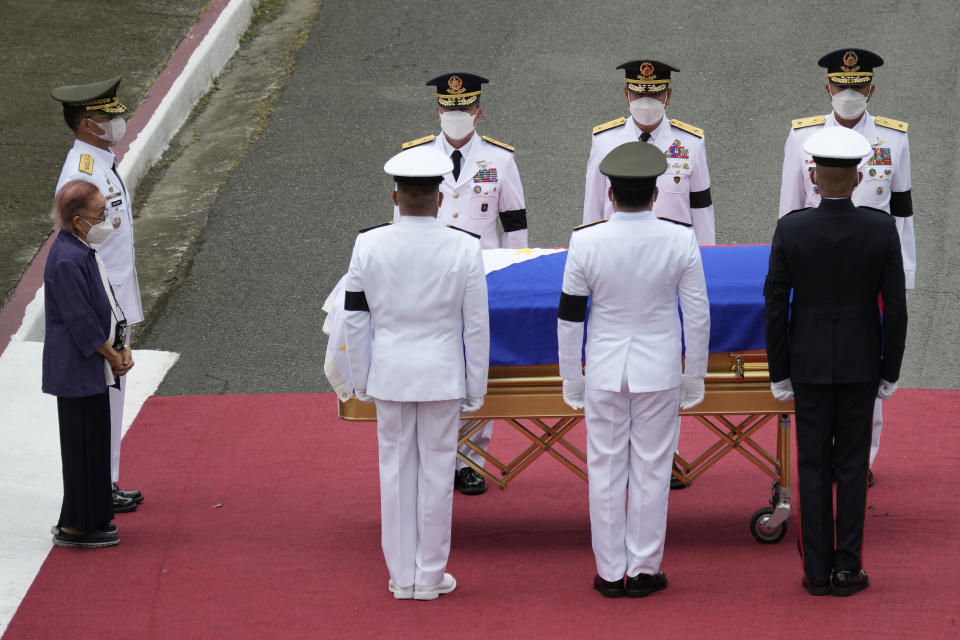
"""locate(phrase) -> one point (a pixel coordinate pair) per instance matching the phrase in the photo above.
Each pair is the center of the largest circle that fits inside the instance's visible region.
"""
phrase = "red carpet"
(294, 550)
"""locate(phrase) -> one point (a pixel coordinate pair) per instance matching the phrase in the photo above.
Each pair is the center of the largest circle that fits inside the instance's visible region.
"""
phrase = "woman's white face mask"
(849, 103)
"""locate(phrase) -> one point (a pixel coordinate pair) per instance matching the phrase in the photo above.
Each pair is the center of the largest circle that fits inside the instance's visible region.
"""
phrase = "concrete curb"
(189, 74)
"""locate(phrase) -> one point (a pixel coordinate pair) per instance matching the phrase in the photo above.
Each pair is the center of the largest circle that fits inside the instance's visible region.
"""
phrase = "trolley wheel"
(762, 533)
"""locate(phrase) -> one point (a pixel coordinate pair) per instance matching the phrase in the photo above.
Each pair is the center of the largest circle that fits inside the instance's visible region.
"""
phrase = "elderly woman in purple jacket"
(84, 324)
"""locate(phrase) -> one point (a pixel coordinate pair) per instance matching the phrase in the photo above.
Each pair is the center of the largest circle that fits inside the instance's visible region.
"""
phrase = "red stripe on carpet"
(295, 551)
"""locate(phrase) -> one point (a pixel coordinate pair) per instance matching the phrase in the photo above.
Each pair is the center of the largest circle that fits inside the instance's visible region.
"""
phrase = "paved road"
(48, 43)
(247, 319)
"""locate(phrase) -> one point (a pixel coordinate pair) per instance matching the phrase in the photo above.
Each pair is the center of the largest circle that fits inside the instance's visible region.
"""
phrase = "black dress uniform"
(835, 345)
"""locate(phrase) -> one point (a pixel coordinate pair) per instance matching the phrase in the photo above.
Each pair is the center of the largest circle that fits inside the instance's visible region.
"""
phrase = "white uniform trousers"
(631, 438)
(418, 447)
(116, 426)
(482, 439)
(877, 428)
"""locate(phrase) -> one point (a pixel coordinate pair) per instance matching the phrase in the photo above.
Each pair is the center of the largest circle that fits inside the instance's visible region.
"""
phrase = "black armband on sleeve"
(901, 204)
(700, 199)
(572, 308)
(355, 301)
(513, 220)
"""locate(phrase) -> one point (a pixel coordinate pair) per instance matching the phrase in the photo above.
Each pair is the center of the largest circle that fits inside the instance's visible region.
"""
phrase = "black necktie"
(456, 156)
(644, 137)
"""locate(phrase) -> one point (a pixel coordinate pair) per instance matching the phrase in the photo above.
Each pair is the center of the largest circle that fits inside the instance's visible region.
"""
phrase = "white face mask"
(456, 125)
(849, 104)
(113, 129)
(647, 111)
(100, 233)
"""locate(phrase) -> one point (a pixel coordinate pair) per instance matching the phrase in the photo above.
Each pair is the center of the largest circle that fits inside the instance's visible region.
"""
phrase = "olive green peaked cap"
(633, 161)
(98, 96)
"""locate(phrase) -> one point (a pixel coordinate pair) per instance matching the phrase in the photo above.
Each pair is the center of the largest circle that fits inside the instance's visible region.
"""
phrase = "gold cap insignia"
(646, 71)
(850, 60)
(455, 84)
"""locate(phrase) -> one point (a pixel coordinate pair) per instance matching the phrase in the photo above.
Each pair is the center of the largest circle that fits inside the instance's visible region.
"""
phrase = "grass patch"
(265, 11)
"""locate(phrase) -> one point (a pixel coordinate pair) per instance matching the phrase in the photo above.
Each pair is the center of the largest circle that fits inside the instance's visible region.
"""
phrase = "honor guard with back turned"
(633, 268)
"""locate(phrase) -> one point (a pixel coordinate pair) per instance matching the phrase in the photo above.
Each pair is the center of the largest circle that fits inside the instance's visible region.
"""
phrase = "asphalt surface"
(48, 43)
(247, 317)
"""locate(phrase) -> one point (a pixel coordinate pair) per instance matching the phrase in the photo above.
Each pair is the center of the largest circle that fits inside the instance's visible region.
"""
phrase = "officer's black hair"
(633, 194)
(73, 115)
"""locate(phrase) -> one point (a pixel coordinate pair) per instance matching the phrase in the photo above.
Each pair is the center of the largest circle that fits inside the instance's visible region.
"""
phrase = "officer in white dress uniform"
(95, 115)
(632, 266)
(886, 180)
(418, 344)
(685, 186)
(482, 188)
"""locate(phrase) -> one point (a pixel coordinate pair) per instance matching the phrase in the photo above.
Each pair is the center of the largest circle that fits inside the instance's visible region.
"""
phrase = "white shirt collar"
(417, 219)
(465, 149)
(664, 123)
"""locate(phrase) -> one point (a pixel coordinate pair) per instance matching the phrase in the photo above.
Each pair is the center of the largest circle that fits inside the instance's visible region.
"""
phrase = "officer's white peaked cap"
(419, 163)
(837, 147)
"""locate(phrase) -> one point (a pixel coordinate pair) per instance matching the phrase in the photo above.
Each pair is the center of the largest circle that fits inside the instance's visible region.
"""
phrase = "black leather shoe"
(123, 505)
(89, 540)
(468, 482)
(643, 584)
(608, 589)
(136, 496)
(105, 528)
(816, 587)
(869, 477)
(675, 482)
(847, 583)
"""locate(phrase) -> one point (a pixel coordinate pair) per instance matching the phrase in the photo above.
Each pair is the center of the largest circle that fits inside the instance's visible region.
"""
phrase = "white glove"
(783, 390)
(691, 392)
(362, 395)
(471, 404)
(886, 389)
(573, 393)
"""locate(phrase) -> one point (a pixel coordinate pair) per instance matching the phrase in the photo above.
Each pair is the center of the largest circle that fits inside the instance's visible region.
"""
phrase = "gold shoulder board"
(376, 226)
(890, 123)
(590, 224)
(619, 122)
(86, 163)
(418, 142)
(800, 123)
(689, 128)
(469, 233)
(498, 143)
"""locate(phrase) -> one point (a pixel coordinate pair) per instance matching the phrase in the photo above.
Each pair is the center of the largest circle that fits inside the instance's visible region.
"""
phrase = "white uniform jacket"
(415, 312)
(684, 188)
(487, 190)
(92, 164)
(886, 181)
(634, 266)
